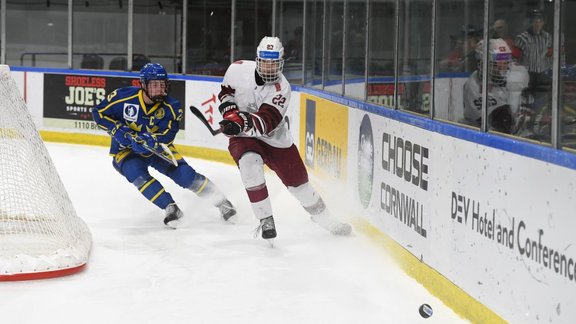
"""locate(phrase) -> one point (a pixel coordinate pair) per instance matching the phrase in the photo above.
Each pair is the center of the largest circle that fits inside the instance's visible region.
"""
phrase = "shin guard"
(251, 168)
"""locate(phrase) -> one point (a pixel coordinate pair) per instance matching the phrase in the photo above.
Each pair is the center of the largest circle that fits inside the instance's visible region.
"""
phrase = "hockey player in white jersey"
(254, 98)
(506, 81)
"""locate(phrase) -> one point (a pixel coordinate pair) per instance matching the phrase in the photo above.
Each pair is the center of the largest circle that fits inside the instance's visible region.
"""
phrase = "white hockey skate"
(173, 216)
(330, 224)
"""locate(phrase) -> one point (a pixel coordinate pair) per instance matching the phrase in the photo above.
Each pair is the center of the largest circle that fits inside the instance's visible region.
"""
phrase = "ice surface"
(209, 271)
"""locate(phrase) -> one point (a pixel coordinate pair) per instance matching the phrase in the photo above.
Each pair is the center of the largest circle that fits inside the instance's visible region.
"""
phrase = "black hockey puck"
(425, 310)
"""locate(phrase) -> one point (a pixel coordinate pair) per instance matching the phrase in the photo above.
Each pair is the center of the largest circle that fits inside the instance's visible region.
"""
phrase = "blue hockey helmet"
(153, 71)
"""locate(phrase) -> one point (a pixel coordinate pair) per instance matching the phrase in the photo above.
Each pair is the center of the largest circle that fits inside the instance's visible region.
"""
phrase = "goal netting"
(40, 234)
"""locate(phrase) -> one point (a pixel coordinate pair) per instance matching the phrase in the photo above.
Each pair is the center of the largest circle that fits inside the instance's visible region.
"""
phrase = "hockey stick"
(165, 154)
(200, 116)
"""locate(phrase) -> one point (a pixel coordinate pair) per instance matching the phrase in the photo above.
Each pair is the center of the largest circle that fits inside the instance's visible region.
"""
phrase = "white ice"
(210, 271)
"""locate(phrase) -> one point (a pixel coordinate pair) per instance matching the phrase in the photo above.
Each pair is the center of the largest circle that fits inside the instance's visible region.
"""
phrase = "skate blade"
(270, 242)
(174, 224)
(231, 220)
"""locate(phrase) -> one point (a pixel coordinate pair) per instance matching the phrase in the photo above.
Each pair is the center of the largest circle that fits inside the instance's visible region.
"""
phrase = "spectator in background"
(535, 47)
(506, 81)
(294, 45)
(500, 30)
(462, 57)
(472, 36)
(452, 62)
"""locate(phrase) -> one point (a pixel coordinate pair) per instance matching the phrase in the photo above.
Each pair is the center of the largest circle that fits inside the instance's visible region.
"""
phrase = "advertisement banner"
(204, 96)
(69, 98)
(324, 137)
(412, 95)
(498, 225)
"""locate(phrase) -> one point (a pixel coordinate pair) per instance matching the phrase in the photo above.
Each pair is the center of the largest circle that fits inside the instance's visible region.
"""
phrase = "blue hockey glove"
(122, 134)
(140, 141)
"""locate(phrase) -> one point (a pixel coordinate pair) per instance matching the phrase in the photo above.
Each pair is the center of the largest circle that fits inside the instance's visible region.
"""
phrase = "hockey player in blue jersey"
(139, 120)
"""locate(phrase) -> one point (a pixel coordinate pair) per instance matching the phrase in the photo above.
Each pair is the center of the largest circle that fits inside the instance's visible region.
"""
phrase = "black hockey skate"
(268, 228)
(173, 216)
(226, 210)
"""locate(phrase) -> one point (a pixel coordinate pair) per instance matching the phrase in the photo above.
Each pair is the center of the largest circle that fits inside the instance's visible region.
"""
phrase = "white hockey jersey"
(266, 103)
(510, 94)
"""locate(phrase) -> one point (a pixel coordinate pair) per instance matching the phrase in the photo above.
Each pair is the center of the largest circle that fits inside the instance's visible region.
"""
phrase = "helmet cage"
(269, 69)
(499, 60)
(270, 59)
(499, 66)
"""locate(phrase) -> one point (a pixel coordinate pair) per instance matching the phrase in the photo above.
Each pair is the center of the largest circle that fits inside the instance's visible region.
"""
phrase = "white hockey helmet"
(499, 60)
(270, 59)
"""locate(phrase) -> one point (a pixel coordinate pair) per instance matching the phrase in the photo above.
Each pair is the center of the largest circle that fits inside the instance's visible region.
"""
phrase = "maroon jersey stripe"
(226, 91)
(270, 116)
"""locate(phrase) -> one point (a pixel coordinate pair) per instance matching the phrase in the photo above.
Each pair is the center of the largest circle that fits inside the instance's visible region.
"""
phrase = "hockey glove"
(122, 134)
(235, 123)
(227, 108)
(143, 143)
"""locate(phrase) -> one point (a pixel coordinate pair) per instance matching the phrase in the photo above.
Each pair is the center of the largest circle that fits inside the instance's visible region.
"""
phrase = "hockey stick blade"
(165, 154)
(168, 154)
(200, 116)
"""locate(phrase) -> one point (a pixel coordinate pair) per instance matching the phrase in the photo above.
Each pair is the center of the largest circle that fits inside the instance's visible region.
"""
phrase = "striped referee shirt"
(534, 49)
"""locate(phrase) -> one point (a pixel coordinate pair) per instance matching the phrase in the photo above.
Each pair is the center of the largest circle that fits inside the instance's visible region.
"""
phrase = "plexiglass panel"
(520, 69)
(37, 33)
(459, 27)
(414, 54)
(100, 33)
(290, 26)
(335, 27)
(208, 43)
(157, 34)
(381, 64)
(314, 39)
(567, 98)
(253, 21)
(355, 65)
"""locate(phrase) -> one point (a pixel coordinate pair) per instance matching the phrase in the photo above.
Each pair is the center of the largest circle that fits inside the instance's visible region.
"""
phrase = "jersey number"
(279, 100)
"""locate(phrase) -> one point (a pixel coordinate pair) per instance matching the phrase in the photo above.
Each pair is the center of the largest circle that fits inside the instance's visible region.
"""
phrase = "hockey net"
(40, 234)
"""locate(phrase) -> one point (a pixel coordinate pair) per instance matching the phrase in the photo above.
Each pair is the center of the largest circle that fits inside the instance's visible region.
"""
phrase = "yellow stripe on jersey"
(113, 103)
(143, 104)
(121, 155)
(110, 104)
(203, 186)
(172, 110)
(157, 195)
(107, 118)
(167, 128)
(147, 184)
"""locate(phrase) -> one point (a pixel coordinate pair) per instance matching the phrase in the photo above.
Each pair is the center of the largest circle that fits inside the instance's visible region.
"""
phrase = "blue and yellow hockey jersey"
(127, 106)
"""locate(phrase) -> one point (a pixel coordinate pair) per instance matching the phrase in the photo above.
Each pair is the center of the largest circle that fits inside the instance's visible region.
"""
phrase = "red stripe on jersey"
(257, 194)
(226, 91)
(258, 124)
(278, 87)
(270, 116)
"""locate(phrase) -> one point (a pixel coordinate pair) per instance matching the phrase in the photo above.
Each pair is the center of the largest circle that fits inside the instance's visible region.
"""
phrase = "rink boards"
(489, 217)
